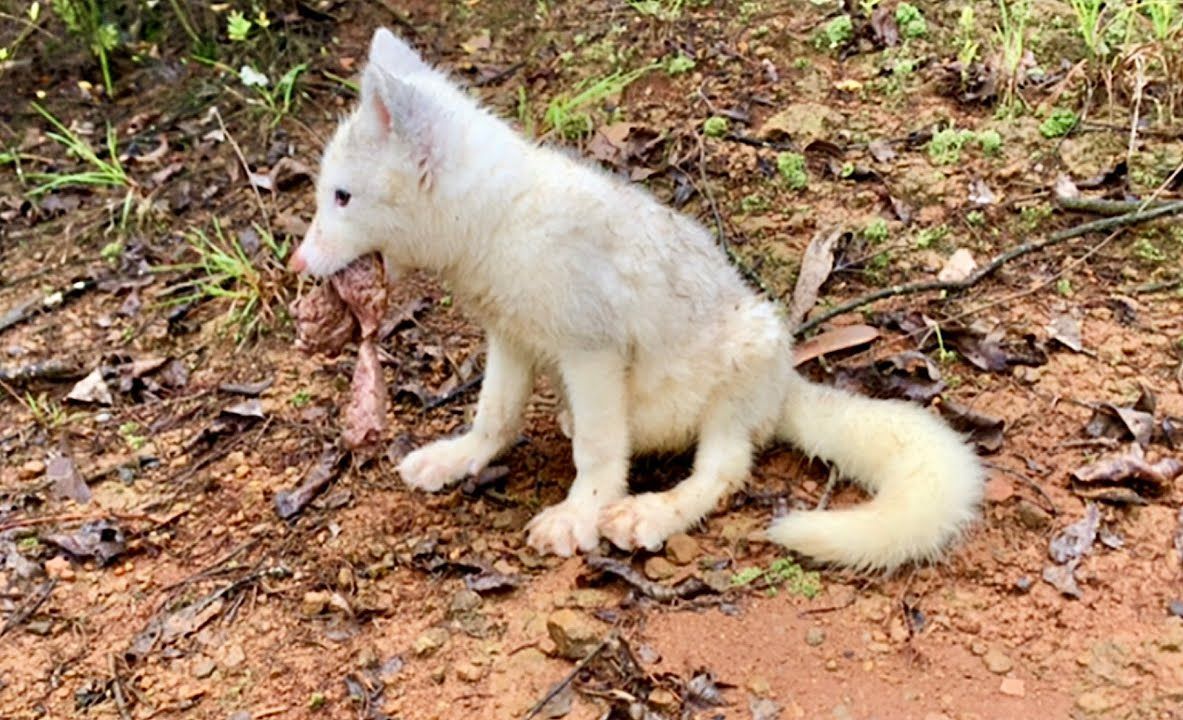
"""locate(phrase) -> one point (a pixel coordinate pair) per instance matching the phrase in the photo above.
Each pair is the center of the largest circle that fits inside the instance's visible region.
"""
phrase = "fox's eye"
(342, 197)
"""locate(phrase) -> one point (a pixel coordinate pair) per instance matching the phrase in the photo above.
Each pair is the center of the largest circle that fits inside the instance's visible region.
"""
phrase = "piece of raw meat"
(323, 322)
(351, 305)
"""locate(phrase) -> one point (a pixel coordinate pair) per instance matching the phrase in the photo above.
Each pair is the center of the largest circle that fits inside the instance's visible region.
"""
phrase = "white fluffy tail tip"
(865, 540)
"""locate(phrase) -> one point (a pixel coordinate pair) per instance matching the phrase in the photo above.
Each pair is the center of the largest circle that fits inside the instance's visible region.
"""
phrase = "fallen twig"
(289, 503)
(757, 142)
(52, 369)
(456, 393)
(1154, 287)
(73, 517)
(1051, 504)
(19, 616)
(1153, 211)
(246, 168)
(117, 688)
(687, 589)
(1103, 206)
(567, 680)
(498, 77)
(1178, 540)
(829, 608)
(989, 268)
(29, 307)
(828, 491)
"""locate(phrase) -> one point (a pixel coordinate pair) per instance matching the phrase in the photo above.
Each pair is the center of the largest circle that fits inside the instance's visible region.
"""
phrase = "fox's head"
(379, 169)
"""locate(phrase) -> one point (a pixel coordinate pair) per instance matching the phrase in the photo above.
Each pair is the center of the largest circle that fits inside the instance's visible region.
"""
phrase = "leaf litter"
(102, 540)
(816, 266)
(1127, 478)
(1067, 548)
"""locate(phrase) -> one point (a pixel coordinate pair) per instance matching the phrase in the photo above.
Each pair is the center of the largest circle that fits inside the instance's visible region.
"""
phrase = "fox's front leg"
(597, 397)
(509, 378)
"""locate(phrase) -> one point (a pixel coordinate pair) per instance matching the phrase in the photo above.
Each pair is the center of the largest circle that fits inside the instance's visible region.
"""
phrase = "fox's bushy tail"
(927, 483)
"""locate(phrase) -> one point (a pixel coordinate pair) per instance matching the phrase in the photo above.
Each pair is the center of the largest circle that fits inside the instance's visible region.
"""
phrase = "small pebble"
(997, 662)
(31, 469)
(658, 568)
(59, 567)
(314, 603)
(1095, 701)
(203, 668)
(575, 635)
(682, 549)
(815, 636)
(759, 686)
(430, 641)
(463, 602)
(467, 672)
(663, 699)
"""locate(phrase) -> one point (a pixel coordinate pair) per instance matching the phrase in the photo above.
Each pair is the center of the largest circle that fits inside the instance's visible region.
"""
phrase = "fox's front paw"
(564, 528)
(640, 521)
(444, 462)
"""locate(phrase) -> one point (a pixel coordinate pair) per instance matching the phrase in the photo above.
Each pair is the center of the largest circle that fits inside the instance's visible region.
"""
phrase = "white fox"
(653, 339)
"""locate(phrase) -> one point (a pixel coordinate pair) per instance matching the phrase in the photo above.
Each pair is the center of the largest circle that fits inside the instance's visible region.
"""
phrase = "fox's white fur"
(654, 340)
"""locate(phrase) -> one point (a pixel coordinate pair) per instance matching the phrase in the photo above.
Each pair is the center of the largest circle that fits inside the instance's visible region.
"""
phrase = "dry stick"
(1099, 224)
(1036, 288)
(1156, 286)
(1139, 83)
(1120, 221)
(117, 687)
(1052, 508)
(19, 616)
(247, 169)
(73, 517)
(51, 369)
(831, 483)
(579, 666)
(748, 273)
(1103, 206)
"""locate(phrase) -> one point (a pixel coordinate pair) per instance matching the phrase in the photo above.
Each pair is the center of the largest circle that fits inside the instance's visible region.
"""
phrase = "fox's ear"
(396, 111)
(394, 55)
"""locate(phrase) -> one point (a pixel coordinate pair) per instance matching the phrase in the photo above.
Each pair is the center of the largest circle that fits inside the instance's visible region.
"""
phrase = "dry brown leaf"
(841, 338)
(909, 375)
(92, 389)
(1065, 330)
(958, 267)
(67, 480)
(1131, 469)
(803, 122)
(1121, 423)
(1077, 539)
(816, 265)
(985, 431)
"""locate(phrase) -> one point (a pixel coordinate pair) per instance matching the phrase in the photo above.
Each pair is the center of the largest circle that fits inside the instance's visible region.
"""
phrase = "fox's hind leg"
(740, 416)
(721, 465)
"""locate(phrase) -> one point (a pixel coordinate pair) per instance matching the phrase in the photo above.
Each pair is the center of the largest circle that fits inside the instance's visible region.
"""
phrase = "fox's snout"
(297, 263)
